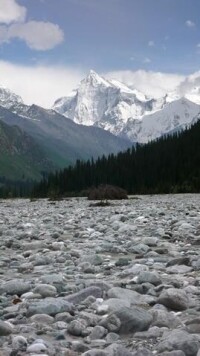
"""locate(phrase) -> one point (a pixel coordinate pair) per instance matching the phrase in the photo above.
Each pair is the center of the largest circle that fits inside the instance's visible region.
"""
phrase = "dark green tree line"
(168, 165)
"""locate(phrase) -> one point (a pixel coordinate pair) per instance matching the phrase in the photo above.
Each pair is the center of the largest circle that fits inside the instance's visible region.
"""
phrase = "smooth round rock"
(19, 343)
(5, 328)
(45, 290)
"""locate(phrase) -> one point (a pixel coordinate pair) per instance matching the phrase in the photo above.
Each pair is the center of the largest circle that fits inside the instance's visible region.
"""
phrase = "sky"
(48, 46)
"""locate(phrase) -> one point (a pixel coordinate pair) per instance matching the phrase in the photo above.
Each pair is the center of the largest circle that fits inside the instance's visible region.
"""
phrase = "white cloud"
(40, 36)
(40, 85)
(151, 43)
(190, 24)
(43, 85)
(10, 11)
(153, 84)
(189, 83)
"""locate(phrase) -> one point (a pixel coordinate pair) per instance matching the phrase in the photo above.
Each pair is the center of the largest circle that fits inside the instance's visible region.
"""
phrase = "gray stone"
(94, 259)
(142, 352)
(179, 261)
(79, 346)
(173, 353)
(50, 306)
(153, 333)
(66, 317)
(112, 337)
(19, 343)
(45, 290)
(95, 352)
(5, 328)
(163, 318)
(90, 318)
(76, 328)
(117, 350)
(122, 261)
(140, 249)
(98, 332)
(128, 295)
(111, 304)
(52, 278)
(174, 299)
(37, 348)
(111, 322)
(42, 319)
(133, 319)
(149, 277)
(16, 286)
(103, 285)
(151, 241)
(182, 269)
(179, 340)
(79, 297)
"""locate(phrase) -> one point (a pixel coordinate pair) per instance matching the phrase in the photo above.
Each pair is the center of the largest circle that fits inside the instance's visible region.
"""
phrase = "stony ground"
(118, 281)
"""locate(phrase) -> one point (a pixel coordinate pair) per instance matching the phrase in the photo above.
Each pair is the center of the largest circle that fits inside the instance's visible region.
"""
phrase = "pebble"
(94, 281)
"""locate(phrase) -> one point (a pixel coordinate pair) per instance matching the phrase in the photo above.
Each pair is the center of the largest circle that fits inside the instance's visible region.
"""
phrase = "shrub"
(107, 192)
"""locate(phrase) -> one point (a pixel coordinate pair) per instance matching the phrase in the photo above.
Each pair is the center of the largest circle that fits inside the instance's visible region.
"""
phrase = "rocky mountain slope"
(62, 140)
(124, 111)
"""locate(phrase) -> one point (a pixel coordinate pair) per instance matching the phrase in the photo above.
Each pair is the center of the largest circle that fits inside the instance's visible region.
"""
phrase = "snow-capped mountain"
(117, 108)
(62, 140)
(105, 104)
(175, 116)
(8, 99)
(125, 111)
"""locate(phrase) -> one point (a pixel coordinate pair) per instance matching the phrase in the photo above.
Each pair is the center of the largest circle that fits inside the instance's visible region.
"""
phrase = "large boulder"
(149, 277)
(179, 340)
(5, 328)
(15, 286)
(174, 299)
(79, 297)
(133, 319)
(127, 295)
(49, 306)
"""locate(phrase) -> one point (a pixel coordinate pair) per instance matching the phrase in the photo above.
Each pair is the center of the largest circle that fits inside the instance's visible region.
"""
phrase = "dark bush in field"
(107, 192)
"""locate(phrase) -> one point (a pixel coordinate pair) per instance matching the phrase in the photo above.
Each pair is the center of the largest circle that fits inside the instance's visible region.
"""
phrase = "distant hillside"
(20, 156)
(62, 140)
(168, 165)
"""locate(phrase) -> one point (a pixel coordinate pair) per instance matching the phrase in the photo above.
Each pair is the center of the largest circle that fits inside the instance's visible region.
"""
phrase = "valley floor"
(123, 279)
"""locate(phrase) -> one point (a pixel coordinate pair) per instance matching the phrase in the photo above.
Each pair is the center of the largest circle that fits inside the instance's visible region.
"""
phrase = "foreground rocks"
(120, 280)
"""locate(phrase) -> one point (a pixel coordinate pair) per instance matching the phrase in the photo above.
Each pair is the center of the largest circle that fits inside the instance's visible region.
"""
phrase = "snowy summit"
(124, 111)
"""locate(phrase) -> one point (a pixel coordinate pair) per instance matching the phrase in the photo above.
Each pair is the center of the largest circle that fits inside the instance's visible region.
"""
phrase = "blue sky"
(105, 35)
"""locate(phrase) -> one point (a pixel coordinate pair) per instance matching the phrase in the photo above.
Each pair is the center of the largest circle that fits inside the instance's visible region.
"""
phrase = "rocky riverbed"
(120, 280)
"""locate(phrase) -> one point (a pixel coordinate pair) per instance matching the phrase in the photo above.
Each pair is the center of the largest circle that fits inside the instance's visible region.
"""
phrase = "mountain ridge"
(62, 140)
(122, 110)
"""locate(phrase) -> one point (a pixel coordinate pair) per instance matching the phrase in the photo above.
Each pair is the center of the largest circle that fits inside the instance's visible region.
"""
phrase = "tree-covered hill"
(168, 165)
(20, 155)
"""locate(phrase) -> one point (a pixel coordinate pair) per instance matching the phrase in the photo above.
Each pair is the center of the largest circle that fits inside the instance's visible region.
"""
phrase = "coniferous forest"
(169, 165)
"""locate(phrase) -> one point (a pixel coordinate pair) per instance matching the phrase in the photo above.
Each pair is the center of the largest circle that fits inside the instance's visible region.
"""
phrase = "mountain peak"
(92, 73)
(94, 79)
(8, 99)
